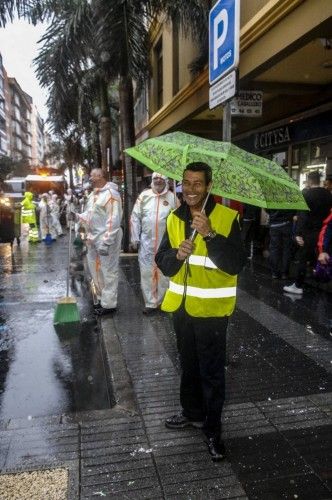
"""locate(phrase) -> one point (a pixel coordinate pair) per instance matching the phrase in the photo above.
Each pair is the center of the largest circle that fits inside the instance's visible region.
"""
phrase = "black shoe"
(285, 276)
(149, 310)
(97, 306)
(180, 422)
(216, 449)
(102, 311)
(275, 276)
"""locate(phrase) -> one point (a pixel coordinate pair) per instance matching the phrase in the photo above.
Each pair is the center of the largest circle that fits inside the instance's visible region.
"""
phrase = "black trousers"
(307, 253)
(280, 248)
(202, 348)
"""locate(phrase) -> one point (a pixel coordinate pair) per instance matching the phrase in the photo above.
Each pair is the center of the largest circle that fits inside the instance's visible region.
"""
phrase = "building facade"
(285, 53)
(20, 132)
(3, 112)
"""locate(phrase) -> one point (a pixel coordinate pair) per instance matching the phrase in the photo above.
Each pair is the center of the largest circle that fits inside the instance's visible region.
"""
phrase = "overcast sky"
(18, 46)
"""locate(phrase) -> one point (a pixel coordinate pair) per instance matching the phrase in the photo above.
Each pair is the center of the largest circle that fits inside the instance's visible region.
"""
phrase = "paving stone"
(193, 462)
(139, 488)
(304, 487)
(113, 467)
(101, 450)
(212, 489)
(121, 460)
(120, 476)
(114, 435)
(266, 456)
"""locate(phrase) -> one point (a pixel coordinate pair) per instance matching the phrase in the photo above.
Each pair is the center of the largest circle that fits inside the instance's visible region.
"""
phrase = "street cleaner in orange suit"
(102, 219)
(201, 296)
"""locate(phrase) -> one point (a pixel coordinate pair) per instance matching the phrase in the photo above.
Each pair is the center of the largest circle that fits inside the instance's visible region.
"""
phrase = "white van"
(15, 185)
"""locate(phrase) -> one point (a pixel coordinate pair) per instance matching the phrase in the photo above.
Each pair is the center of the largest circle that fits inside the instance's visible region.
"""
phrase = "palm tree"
(111, 38)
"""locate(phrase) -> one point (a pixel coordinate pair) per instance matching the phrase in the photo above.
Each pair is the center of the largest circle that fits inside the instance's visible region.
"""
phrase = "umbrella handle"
(194, 233)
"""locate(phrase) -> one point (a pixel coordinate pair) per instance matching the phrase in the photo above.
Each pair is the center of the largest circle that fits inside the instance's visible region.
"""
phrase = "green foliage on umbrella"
(237, 174)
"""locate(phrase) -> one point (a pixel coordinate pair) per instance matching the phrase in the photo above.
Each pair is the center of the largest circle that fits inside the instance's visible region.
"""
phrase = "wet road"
(43, 373)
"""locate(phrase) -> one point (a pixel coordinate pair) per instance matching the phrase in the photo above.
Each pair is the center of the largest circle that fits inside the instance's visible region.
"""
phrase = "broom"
(66, 310)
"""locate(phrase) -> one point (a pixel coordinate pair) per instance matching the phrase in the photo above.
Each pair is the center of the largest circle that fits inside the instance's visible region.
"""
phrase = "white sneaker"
(293, 289)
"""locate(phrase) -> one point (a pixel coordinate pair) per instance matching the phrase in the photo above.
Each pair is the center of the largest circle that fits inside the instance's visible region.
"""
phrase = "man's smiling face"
(194, 189)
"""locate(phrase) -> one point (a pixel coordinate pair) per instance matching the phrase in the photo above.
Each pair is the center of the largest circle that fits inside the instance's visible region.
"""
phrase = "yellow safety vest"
(209, 292)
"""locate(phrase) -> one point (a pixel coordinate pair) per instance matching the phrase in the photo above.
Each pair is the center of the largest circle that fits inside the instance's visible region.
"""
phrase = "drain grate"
(37, 485)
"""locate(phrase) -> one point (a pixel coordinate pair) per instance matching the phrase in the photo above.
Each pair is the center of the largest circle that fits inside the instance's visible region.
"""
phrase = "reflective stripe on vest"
(201, 260)
(209, 291)
(27, 212)
(33, 234)
(203, 293)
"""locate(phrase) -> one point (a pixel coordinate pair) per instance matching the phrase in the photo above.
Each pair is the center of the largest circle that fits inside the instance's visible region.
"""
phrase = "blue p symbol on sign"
(219, 35)
(223, 38)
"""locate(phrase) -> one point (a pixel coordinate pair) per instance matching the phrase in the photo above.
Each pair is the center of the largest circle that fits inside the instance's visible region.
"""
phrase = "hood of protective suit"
(28, 195)
(108, 185)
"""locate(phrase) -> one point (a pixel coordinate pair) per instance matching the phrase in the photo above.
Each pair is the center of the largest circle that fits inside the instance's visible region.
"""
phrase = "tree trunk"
(71, 177)
(127, 125)
(96, 146)
(105, 130)
(126, 99)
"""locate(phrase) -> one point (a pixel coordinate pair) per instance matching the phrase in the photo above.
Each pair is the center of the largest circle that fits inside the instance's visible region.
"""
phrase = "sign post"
(224, 34)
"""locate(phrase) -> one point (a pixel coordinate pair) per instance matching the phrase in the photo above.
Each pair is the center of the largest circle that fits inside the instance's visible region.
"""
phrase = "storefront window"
(320, 150)
(280, 158)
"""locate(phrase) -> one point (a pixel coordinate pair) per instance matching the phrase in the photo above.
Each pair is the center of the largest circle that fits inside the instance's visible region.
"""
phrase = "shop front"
(298, 145)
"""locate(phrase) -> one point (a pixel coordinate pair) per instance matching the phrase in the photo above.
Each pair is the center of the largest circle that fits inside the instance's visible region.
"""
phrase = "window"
(2, 124)
(320, 150)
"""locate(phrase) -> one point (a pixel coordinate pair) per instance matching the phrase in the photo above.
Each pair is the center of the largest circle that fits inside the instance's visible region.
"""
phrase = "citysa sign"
(272, 138)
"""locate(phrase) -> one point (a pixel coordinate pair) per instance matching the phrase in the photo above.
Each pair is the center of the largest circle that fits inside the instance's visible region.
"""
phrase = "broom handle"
(69, 253)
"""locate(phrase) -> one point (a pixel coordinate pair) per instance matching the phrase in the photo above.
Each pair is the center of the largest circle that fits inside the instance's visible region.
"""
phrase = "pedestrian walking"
(201, 296)
(28, 216)
(249, 226)
(281, 237)
(147, 226)
(102, 221)
(308, 226)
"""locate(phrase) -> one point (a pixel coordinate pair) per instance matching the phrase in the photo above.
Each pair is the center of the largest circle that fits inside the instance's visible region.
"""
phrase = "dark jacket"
(280, 216)
(227, 253)
(319, 201)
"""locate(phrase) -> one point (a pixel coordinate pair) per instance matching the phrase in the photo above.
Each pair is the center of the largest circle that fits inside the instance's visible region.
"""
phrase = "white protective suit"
(55, 215)
(69, 203)
(147, 226)
(45, 221)
(102, 219)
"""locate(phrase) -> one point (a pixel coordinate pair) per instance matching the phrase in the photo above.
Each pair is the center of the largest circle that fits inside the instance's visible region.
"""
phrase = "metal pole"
(227, 123)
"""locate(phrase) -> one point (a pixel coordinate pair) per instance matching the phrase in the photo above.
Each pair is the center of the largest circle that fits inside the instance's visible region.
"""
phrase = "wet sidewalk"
(276, 423)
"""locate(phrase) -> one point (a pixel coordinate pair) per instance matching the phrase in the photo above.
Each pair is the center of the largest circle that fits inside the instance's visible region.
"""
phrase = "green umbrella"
(237, 174)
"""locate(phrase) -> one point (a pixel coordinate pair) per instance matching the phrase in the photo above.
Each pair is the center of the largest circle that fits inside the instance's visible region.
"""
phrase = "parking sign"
(224, 33)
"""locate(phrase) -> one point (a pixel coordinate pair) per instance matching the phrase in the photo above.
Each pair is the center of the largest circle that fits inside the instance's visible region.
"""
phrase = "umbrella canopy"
(237, 174)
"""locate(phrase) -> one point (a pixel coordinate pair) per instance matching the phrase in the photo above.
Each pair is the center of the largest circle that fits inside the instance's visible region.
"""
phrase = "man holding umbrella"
(201, 295)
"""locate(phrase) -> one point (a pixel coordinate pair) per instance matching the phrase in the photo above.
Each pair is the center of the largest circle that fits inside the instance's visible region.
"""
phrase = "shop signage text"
(247, 103)
(272, 138)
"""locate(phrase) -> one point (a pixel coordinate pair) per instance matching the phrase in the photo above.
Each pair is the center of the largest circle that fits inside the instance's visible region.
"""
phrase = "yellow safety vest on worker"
(28, 211)
(208, 291)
